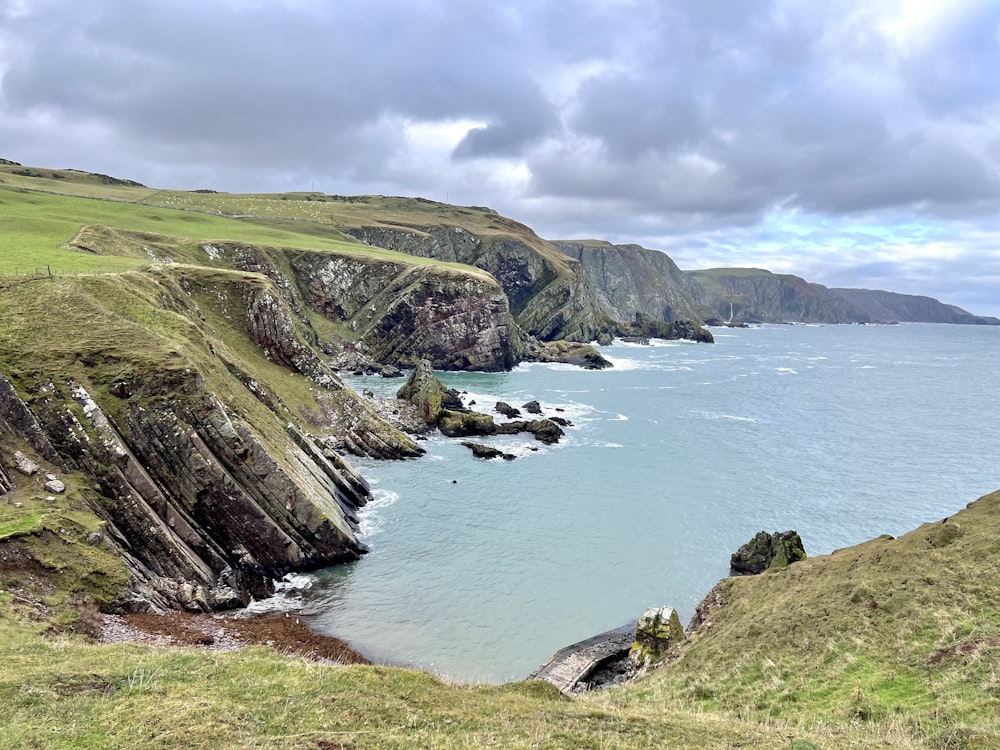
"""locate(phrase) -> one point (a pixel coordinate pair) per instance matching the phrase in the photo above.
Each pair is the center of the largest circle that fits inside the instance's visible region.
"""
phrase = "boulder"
(658, 630)
(465, 423)
(486, 452)
(507, 410)
(53, 485)
(25, 465)
(390, 371)
(543, 430)
(767, 552)
(532, 407)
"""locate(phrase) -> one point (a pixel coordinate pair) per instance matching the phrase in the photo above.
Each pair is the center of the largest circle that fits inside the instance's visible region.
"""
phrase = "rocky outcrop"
(767, 552)
(487, 452)
(428, 394)
(631, 279)
(568, 353)
(658, 630)
(890, 307)
(576, 668)
(442, 406)
(643, 328)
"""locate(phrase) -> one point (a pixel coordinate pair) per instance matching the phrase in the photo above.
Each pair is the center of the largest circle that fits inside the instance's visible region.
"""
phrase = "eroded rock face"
(402, 314)
(201, 511)
(6, 481)
(632, 279)
(548, 293)
(767, 552)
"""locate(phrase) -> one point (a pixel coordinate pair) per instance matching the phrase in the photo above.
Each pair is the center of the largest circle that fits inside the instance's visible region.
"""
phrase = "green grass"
(46, 232)
(303, 220)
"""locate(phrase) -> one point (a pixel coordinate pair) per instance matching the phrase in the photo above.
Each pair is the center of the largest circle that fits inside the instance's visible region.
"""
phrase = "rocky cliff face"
(401, 314)
(757, 296)
(632, 279)
(213, 472)
(890, 307)
(548, 294)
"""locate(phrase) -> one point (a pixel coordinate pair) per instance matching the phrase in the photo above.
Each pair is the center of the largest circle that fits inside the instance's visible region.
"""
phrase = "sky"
(851, 142)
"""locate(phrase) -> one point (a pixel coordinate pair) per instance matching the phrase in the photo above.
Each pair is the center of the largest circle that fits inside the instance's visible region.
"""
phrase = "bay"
(480, 570)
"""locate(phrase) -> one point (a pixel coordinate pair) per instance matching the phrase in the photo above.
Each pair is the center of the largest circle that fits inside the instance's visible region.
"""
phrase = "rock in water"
(507, 410)
(487, 452)
(532, 407)
(658, 630)
(429, 394)
(766, 552)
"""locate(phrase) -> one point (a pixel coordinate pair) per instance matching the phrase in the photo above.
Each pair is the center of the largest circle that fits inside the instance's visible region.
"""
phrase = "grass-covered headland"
(892, 643)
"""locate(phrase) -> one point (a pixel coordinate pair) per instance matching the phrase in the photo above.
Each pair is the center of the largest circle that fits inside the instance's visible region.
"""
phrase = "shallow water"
(480, 570)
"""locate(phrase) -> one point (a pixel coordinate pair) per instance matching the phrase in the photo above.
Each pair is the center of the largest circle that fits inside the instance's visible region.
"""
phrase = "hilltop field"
(892, 643)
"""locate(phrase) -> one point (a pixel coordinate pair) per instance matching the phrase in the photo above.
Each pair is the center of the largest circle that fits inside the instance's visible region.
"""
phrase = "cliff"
(549, 295)
(165, 400)
(752, 295)
(890, 307)
(630, 279)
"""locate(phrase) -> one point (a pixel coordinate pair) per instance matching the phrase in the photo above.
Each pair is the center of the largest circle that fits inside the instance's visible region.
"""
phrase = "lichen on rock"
(657, 631)
(767, 552)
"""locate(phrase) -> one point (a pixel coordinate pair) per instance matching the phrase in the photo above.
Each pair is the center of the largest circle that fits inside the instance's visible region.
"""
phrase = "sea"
(480, 570)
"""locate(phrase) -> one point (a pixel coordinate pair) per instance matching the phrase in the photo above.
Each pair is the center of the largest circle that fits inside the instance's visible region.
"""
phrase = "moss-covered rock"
(767, 552)
(657, 631)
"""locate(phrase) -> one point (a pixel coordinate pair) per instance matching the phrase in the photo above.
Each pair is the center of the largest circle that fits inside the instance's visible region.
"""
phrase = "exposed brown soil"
(969, 648)
(285, 633)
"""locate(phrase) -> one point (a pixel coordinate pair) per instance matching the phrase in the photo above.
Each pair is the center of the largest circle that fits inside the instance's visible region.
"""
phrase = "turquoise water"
(480, 570)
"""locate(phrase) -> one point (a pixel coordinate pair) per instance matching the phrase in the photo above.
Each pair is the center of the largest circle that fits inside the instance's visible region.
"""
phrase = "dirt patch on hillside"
(285, 633)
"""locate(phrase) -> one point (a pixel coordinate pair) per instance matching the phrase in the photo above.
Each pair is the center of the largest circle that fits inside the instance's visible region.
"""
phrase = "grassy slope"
(312, 219)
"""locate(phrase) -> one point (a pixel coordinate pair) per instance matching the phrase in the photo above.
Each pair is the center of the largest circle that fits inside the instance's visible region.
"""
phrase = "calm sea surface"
(480, 570)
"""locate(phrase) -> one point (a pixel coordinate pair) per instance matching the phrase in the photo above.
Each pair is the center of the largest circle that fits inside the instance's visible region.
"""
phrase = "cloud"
(771, 130)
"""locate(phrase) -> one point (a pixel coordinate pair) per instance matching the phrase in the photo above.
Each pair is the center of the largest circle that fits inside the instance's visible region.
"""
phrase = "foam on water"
(287, 597)
(370, 519)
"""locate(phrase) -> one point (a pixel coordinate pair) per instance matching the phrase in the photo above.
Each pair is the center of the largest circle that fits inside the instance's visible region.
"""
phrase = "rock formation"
(767, 552)
(442, 406)
(657, 631)
(548, 293)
